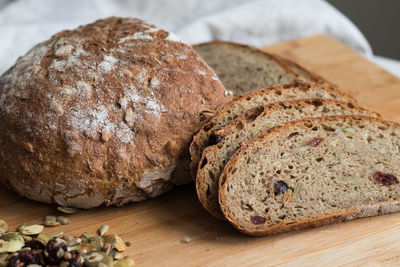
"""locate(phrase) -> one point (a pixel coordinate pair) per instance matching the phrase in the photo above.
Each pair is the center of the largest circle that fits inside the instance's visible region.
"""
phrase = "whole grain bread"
(247, 126)
(228, 112)
(313, 172)
(243, 68)
(103, 114)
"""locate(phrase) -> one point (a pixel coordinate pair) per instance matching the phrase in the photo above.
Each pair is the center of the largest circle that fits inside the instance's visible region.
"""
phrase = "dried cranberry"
(76, 260)
(280, 187)
(385, 178)
(34, 244)
(215, 139)
(314, 142)
(27, 257)
(52, 248)
(257, 220)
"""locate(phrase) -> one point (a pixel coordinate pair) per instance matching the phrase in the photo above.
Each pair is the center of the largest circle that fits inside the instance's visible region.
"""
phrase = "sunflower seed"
(67, 255)
(186, 240)
(50, 218)
(68, 210)
(51, 223)
(117, 256)
(103, 229)
(60, 253)
(63, 220)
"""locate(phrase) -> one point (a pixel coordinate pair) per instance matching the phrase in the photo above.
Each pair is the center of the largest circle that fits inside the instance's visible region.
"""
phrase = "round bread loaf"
(103, 114)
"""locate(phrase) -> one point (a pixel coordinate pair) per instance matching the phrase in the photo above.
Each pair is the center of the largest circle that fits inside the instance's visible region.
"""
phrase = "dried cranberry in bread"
(247, 126)
(228, 112)
(313, 172)
(103, 114)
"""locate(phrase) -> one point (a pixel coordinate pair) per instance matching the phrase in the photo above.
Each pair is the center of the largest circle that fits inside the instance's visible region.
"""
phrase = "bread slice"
(243, 68)
(261, 97)
(246, 127)
(313, 172)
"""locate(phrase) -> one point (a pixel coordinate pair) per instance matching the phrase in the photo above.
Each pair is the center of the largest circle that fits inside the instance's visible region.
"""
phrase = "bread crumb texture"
(313, 172)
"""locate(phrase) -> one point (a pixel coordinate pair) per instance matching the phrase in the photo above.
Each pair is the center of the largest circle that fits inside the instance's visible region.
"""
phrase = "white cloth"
(23, 23)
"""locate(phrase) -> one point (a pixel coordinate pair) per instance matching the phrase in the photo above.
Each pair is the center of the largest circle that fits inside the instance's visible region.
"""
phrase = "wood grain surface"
(156, 227)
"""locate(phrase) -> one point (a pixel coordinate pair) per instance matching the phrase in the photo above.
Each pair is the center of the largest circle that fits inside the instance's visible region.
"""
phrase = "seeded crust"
(103, 114)
(229, 111)
(243, 68)
(328, 181)
(247, 126)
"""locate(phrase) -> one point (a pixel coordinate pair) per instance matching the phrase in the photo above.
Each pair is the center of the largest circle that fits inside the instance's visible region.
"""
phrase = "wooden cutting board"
(156, 227)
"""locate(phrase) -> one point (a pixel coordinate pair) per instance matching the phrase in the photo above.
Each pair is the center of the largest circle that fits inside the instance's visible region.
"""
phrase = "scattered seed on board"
(65, 249)
(186, 239)
(51, 223)
(103, 229)
(63, 220)
(68, 210)
(50, 218)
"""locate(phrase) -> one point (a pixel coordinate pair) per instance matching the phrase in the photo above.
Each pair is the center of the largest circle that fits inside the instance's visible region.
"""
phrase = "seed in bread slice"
(313, 172)
(261, 97)
(247, 126)
(243, 68)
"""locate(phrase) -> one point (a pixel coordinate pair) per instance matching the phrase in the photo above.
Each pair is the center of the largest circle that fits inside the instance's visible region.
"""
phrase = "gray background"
(378, 20)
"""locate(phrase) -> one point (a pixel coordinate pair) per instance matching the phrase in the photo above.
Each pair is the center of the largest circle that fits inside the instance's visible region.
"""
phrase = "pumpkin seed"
(56, 235)
(3, 227)
(12, 245)
(103, 229)
(68, 210)
(111, 238)
(33, 265)
(43, 238)
(64, 264)
(86, 235)
(93, 259)
(124, 263)
(34, 229)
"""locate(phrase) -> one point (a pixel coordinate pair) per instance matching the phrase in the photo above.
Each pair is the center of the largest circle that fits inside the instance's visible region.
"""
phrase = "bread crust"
(356, 212)
(200, 140)
(205, 178)
(103, 114)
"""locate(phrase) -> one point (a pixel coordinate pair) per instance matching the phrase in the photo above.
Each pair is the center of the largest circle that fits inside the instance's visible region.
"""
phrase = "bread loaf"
(261, 97)
(243, 68)
(247, 126)
(313, 172)
(103, 114)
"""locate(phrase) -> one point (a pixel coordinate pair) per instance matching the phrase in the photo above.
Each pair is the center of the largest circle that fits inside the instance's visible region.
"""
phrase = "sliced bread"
(313, 172)
(247, 126)
(261, 97)
(243, 68)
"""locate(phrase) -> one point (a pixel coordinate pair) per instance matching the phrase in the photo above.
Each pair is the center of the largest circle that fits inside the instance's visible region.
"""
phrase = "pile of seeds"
(28, 246)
